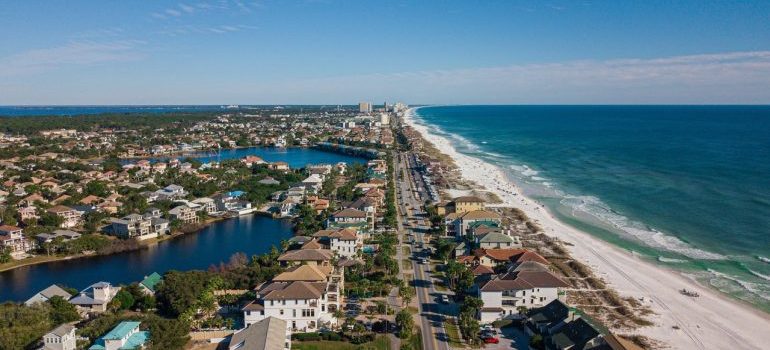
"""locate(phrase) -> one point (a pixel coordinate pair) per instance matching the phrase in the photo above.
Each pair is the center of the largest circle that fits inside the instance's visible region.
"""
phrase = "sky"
(70, 52)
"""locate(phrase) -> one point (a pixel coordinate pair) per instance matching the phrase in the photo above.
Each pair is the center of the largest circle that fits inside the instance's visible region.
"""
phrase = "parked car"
(491, 340)
(444, 299)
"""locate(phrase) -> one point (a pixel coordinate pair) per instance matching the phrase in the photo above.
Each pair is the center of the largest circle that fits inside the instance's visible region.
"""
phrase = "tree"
(405, 323)
(406, 293)
(179, 291)
(467, 321)
(124, 300)
(62, 311)
(51, 219)
(5, 255)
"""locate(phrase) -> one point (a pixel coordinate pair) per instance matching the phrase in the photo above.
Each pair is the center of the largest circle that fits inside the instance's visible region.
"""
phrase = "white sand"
(711, 321)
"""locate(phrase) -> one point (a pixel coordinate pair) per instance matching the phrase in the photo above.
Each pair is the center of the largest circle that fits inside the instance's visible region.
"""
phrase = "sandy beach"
(711, 321)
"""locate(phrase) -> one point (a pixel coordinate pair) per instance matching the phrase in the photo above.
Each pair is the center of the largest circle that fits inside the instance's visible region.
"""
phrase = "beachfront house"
(62, 337)
(126, 335)
(465, 222)
(95, 298)
(497, 240)
(523, 287)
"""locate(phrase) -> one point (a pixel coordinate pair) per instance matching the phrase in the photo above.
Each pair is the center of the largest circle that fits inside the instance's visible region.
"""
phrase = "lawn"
(381, 343)
(453, 333)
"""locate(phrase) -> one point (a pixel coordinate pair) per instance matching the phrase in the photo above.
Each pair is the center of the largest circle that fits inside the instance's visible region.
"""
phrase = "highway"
(430, 318)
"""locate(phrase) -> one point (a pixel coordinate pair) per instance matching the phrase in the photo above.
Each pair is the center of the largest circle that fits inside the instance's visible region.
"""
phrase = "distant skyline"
(342, 52)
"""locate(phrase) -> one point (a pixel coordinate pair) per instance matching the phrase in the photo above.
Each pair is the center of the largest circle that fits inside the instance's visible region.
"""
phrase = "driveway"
(510, 338)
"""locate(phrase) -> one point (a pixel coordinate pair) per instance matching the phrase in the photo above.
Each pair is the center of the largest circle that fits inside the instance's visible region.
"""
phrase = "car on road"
(424, 261)
(444, 298)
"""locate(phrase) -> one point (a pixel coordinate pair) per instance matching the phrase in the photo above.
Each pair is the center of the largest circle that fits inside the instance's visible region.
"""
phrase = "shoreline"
(713, 320)
(141, 245)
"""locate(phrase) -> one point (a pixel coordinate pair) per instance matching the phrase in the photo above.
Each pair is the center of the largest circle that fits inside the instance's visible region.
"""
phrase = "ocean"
(687, 187)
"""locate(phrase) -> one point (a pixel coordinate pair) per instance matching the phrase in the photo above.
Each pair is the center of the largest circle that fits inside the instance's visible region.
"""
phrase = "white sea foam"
(594, 207)
(763, 259)
(764, 277)
(671, 260)
(753, 288)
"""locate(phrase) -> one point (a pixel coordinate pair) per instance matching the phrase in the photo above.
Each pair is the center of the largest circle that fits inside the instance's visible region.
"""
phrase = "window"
(294, 313)
(281, 311)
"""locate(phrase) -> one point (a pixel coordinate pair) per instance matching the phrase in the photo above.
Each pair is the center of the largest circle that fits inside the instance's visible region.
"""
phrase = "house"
(575, 335)
(149, 283)
(48, 293)
(65, 235)
(11, 237)
(313, 182)
(184, 214)
(95, 298)
(497, 240)
(208, 205)
(60, 338)
(506, 295)
(271, 333)
(320, 257)
(171, 192)
(347, 217)
(545, 320)
(70, 216)
(467, 204)
(133, 226)
(269, 181)
(344, 242)
(28, 213)
(126, 335)
(303, 305)
(250, 161)
(464, 222)
(280, 166)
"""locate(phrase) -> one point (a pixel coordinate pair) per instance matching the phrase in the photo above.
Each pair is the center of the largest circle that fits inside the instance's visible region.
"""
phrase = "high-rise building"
(365, 107)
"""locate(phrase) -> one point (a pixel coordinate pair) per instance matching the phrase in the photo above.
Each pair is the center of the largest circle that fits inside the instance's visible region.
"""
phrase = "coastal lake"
(296, 157)
(211, 245)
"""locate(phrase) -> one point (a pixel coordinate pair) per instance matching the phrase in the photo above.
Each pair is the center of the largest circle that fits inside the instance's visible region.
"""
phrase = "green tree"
(5, 255)
(405, 323)
(62, 311)
(123, 300)
(407, 293)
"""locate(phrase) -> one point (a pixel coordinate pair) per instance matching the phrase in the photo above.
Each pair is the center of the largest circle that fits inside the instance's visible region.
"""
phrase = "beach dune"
(711, 321)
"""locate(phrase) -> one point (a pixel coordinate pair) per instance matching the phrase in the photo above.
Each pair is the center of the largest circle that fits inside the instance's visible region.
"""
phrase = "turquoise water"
(685, 186)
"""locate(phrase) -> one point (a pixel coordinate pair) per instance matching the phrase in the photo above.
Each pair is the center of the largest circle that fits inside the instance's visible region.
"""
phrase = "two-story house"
(518, 289)
(70, 216)
(95, 298)
(184, 214)
(60, 338)
(11, 238)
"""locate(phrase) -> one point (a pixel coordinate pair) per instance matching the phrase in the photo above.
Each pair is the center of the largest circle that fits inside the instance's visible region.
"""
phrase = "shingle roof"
(268, 334)
(523, 280)
(306, 255)
(298, 290)
(307, 273)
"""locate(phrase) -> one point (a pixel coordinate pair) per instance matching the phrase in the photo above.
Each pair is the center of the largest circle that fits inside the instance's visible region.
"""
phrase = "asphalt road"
(430, 318)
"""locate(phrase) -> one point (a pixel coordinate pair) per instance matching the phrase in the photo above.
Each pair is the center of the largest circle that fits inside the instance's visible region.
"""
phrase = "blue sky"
(328, 52)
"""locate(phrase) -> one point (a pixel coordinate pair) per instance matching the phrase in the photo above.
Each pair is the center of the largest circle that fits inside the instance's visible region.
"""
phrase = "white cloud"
(73, 53)
(733, 77)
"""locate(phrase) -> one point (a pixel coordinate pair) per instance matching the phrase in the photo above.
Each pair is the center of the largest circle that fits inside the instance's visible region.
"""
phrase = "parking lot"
(510, 338)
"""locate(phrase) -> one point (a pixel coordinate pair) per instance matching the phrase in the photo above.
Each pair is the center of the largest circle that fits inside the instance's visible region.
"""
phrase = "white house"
(303, 305)
(529, 287)
(48, 293)
(95, 298)
(60, 338)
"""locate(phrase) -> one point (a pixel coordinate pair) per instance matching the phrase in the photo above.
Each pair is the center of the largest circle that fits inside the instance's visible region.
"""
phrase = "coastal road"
(430, 319)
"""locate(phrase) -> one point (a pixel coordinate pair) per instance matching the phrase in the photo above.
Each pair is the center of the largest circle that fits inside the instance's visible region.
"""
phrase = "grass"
(416, 340)
(381, 343)
(406, 250)
(453, 334)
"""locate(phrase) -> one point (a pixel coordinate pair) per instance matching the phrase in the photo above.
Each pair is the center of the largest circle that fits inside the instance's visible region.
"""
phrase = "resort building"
(126, 335)
(60, 338)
